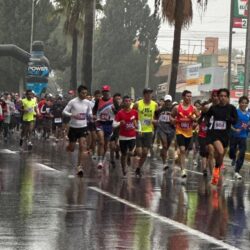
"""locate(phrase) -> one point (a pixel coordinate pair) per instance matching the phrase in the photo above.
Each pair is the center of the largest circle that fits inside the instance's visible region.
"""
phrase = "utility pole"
(148, 64)
(32, 24)
(247, 53)
(229, 76)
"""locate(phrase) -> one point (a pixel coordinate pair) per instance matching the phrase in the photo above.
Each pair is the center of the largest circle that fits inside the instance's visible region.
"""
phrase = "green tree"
(73, 10)
(121, 46)
(178, 13)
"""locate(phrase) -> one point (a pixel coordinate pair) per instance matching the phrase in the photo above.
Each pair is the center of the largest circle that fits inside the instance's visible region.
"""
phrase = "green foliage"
(15, 27)
(121, 46)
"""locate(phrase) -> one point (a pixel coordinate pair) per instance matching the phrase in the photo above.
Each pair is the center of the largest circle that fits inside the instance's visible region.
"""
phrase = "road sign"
(240, 8)
(240, 14)
(240, 23)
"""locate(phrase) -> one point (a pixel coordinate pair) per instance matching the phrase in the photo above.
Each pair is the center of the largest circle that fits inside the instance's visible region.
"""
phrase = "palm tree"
(178, 13)
(89, 25)
(73, 12)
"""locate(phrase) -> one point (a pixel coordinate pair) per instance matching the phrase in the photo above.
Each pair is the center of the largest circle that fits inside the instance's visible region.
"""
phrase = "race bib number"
(81, 116)
(165, 118)
(58, 120)
(104, 117)
(129, 126)
(220, 125)
(185, 125)
(204, 128)
(31, 110)
(146, 122)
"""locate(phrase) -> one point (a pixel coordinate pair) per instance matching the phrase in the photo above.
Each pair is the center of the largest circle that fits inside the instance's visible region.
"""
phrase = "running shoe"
(165, 168)
(117, 155)
(124, 172)
(80, 171)
(112, 164)
(216, 176)
(237, 176)
(30, 145)
(128, 161)
(205, 173)
(183, 173)
(138, 172)
(233, 163)
(100, 165)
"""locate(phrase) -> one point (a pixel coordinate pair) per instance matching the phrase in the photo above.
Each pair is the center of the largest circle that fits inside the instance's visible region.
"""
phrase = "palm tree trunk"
(87, 59)
(73, 80)
(175, 58)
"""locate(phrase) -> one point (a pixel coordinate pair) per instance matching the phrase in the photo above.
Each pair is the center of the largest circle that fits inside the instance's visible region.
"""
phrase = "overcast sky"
(214, 22)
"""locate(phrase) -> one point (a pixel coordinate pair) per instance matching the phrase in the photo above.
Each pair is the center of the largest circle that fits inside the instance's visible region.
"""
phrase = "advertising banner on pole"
(240, 14)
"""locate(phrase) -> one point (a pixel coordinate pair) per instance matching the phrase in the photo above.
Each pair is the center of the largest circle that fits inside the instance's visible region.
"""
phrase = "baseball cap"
(147, 90)
(106, 88)
(214, 91)
(168, 98)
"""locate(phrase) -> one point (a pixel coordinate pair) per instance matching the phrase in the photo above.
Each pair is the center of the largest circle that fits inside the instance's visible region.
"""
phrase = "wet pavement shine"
(43, 205)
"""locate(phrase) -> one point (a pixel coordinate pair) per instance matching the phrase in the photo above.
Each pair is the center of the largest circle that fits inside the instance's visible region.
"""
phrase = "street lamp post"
(32, 24)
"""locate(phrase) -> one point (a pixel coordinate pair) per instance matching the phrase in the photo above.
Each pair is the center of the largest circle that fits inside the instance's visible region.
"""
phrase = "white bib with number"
(58, 120)
(165, 118)
(146, 122)
(185, 125)
(220, 125)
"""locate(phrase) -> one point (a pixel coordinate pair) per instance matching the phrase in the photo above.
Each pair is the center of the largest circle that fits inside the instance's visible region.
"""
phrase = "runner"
(78, 109)
(202, 138)
(185, 115)
(92, 127)
(238, 140)
(29, 110)
(56, 111)
(146, 111)
(8, 110)
(103, 110)
(46, 112)
(165, 128)
(221, 117)
(127, 120)
(114, 145)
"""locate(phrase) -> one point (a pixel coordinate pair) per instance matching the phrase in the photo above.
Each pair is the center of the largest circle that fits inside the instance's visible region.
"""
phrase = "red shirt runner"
(128, 129)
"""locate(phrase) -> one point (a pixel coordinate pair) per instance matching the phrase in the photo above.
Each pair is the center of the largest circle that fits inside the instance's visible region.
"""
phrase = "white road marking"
(167, 220)
(7, 151)
(45, 167)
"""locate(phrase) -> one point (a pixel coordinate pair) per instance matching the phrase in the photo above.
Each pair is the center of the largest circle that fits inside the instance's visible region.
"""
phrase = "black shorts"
(115, 134)
(183, 141)
(224, 139)
(203, 146)
(166, 136)
(91, 127)
(127, 145)
(77, 133)
(144, 140)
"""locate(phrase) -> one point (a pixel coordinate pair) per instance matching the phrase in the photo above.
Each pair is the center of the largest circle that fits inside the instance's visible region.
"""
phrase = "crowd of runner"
(129, 129)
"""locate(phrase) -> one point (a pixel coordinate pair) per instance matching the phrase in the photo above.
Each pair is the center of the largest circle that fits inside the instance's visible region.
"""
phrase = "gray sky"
(214, 22)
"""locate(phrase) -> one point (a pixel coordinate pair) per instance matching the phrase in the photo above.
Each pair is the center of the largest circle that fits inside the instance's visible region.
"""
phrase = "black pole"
(229, 78)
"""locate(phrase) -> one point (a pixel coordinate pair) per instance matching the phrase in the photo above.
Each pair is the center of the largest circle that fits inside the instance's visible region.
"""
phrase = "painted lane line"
(167, 220)
(7, 151)
(45, 167)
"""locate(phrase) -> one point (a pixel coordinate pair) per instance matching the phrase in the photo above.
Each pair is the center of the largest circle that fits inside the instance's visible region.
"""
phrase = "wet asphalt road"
(44, 206)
